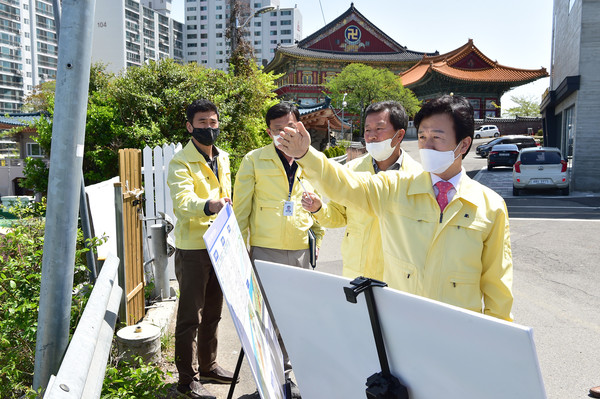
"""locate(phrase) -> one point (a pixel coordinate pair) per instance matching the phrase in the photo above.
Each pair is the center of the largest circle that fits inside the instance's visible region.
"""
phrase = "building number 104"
(102, 24)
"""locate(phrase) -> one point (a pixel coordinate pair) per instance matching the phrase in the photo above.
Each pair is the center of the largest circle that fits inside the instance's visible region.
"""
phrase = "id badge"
(288, 208)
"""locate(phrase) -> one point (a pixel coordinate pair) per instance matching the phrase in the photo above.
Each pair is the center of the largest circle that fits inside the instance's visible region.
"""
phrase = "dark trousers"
(198, 314)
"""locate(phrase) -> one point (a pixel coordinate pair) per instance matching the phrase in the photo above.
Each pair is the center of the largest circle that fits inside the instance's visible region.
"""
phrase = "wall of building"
(511, 126)
(109, 27)
(571, 108)
(566, 39)
(128, 34)
(586, 158)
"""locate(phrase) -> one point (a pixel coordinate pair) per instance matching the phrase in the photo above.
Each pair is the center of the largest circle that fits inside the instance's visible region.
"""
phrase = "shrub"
(134, 379)
(20, 279)
(333, 152)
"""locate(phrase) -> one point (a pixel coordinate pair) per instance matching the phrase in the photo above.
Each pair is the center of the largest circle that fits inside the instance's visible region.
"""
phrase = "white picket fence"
(155, 164)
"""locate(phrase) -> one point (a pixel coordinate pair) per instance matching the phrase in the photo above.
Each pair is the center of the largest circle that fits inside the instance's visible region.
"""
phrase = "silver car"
(540, 168)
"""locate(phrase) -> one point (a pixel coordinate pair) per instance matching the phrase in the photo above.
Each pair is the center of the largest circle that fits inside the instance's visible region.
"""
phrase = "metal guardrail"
(82, 370)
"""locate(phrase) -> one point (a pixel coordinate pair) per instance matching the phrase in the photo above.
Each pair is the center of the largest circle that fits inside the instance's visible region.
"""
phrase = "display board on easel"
(434, 349)
(246, 303)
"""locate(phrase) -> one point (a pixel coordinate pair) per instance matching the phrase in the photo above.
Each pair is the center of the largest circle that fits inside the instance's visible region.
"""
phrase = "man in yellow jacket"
(200, 183)
(362, 252)
(267, 204)
(267, 199)
(445, 236)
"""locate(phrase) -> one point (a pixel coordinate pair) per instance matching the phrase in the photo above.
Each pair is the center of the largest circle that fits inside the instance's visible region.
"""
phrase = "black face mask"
(206, 135)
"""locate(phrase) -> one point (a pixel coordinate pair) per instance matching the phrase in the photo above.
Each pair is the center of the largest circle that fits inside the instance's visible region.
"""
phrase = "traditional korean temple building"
(351, 38)
(468, 72)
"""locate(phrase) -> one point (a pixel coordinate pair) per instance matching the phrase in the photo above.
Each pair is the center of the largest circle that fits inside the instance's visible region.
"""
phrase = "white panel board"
(247, 307)
(434, 349)
(102, 208)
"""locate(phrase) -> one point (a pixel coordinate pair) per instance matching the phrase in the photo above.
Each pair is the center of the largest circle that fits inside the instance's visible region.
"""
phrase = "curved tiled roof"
(489, 71)
(299, 52)
(307, 109)
(20, 119)
(322, 111)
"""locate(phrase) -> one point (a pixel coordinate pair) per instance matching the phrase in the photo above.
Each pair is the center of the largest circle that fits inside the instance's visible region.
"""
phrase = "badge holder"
(381, 385)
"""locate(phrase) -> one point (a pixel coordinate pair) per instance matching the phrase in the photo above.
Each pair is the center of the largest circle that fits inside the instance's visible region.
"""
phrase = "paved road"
(556, 247)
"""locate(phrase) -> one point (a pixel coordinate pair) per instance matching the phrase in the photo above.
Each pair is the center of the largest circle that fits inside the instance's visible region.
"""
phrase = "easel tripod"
(382, 385)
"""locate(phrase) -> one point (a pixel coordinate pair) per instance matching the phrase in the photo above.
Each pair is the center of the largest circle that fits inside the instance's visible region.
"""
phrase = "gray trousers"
(299, 258)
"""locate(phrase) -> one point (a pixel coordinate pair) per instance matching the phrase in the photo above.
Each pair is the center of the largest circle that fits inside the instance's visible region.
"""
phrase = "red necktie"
(442, 197)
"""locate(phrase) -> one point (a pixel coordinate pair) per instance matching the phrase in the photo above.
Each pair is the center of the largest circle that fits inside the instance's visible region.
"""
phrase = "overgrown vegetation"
(20, 278)
(145, 106)
(133, 379)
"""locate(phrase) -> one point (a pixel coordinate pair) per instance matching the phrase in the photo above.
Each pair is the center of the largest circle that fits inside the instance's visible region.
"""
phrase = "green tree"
(40, 96)
(366, 85)
(145, 106)
(526, 106)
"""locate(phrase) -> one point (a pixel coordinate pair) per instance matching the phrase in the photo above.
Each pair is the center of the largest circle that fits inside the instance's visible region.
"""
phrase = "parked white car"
(540, 168)
(487, 131)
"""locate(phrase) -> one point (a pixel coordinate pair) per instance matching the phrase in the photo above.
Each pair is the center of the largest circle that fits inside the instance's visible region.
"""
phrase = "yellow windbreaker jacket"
(461, 257)
(362, 252)
(260, 191)
(192, 183)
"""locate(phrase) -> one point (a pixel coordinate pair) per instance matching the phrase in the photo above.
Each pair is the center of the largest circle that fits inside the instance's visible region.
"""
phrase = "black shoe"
(254, 395)
(194, 390)
(218, 375)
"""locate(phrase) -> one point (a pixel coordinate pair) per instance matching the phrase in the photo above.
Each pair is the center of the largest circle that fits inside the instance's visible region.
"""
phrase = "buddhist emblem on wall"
(352, 36)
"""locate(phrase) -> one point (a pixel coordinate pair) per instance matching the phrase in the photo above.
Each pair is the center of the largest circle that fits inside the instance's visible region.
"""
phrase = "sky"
(516, 33)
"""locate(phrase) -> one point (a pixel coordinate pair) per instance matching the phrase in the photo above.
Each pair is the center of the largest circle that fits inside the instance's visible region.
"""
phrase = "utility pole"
(68, 134)
(237, 29)
(344, 104)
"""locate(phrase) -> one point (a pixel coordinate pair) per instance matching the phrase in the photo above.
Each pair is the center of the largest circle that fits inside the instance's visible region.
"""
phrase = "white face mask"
(276, 139)
(381, 150)
(437, 161)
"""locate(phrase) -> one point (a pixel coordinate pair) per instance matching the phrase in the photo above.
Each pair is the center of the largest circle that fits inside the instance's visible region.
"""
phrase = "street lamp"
(237, 27)
(344, 104)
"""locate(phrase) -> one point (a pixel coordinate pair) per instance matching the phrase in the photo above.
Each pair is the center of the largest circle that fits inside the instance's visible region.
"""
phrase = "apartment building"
(206, 22)
(28, 49)
(128, 33)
